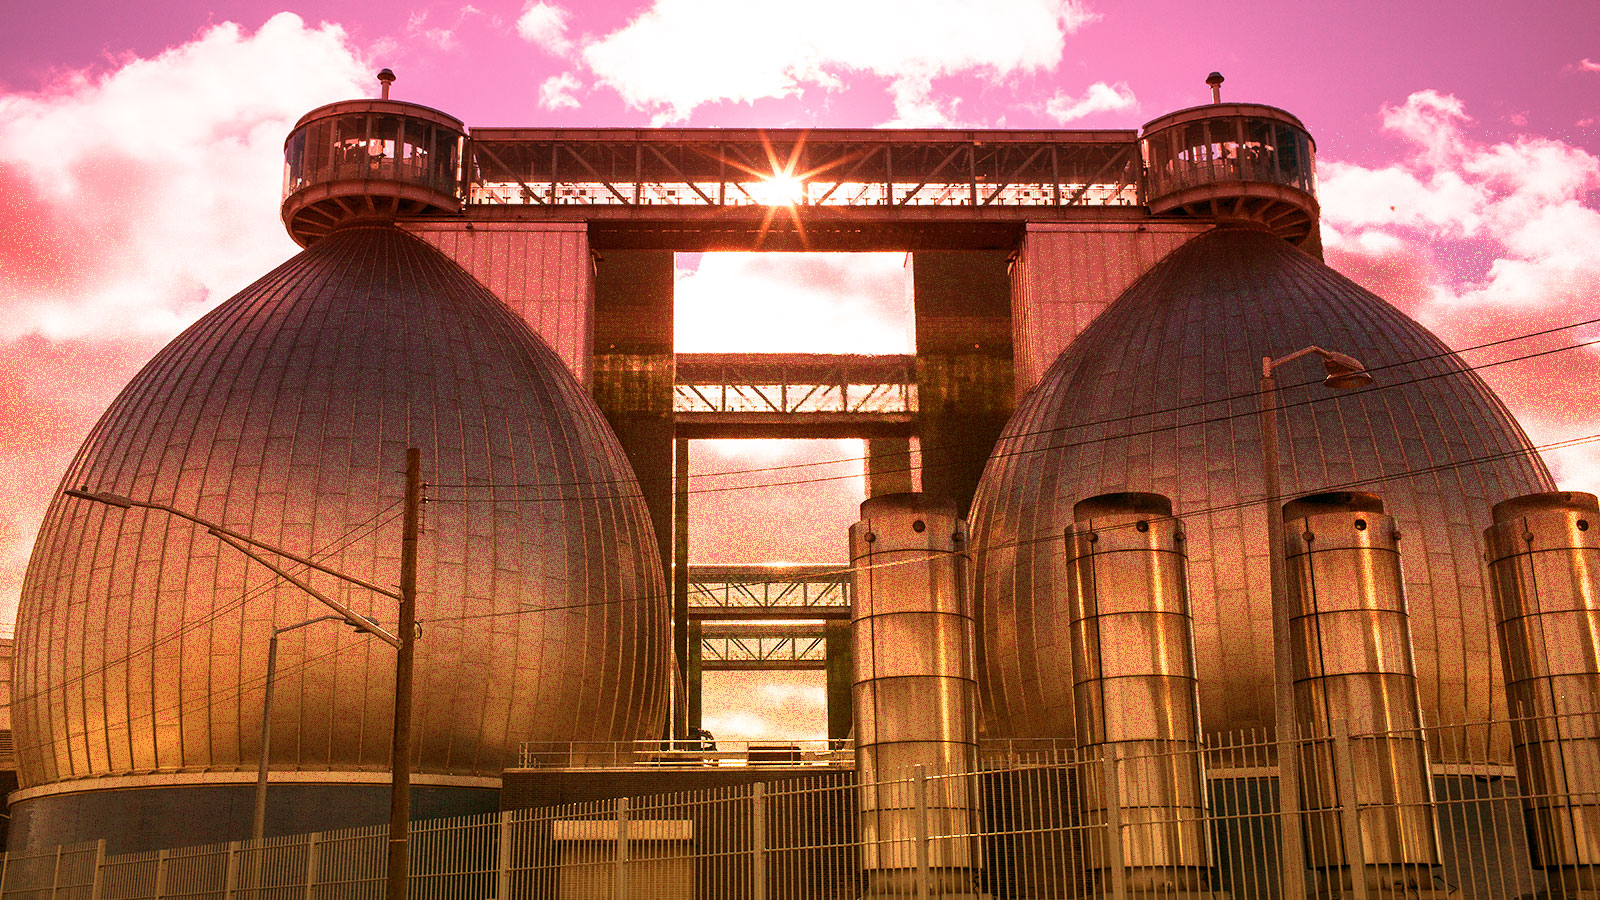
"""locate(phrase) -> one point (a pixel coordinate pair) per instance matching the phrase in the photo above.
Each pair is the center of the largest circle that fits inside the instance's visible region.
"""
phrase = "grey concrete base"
(150, 818)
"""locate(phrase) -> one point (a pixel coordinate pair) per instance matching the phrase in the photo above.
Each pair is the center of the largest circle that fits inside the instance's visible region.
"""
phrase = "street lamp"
(258, 829)
(404, 641)
(1344, 373)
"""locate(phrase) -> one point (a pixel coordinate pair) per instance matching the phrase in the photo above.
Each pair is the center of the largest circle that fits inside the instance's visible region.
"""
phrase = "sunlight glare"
(778, 189)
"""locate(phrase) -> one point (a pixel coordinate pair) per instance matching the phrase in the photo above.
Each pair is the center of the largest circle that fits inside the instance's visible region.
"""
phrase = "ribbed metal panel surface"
(1195, 329)
(543, 272)
(285, 414)
(1067, 274)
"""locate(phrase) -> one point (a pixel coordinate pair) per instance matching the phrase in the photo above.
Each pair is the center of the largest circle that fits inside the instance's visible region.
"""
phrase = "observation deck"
(1233, 161)
(369, 159)
(829, 189)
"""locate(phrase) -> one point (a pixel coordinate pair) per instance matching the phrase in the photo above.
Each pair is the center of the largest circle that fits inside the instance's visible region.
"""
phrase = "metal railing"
(724, 168)
(794, 384)
(1014, 829)
(792, 591)
(696, 752)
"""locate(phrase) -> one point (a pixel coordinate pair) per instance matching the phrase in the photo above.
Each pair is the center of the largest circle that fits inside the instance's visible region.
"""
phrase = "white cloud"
(1584, 65)
(179, 150)
(1482, 241)
(794, 303)
(557, 92)
(441, 37)
(1100, 97)
(681, 54)
(545, 25)
(133, 202)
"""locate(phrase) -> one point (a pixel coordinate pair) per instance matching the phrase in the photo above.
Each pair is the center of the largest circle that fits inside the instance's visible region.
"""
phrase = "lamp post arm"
(224, 531)
(1269, 364)
(349, 615)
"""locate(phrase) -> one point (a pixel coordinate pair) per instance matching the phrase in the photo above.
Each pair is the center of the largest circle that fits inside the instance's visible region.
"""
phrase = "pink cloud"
(51, 393)
(794, 303)
(161, 152)
(795, 523)
(545, 25)
(1412, 231)
(134, 203)
(1099, 97)
(644, 62)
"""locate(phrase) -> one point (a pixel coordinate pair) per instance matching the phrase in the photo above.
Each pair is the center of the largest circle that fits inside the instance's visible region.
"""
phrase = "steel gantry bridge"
(794, 395)
(836, 188)
(770, 618)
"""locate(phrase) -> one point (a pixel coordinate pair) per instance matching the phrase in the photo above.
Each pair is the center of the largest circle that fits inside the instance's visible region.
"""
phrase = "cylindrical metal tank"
(915, 693)
(1159, 394)
(285, 413)
(1544, 565)
(1350, 651)
(1135, 690)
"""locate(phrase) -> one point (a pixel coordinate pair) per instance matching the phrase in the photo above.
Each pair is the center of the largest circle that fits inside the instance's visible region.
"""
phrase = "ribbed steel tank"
(914, 696)
(1133, 679)
(1159, 394)
(1350, 639)
(285, 413)
(1544, 558)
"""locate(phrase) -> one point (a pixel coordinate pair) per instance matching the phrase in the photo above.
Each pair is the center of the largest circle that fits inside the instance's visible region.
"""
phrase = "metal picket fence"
(1015, 829)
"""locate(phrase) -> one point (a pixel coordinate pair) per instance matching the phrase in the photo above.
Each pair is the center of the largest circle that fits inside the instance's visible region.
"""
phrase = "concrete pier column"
(1544, 566)
(1136, 694)
(1350, 648)
(915, 695)
(633, 385)
(888, 466)
(965, 392)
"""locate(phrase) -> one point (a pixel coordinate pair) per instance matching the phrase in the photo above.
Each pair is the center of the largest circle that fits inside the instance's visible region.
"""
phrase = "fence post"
(230, 881)
(313, 856)
(758, 841)
(503, 858)
(1111, 783)
(5, 865)
(161, 873)
(919, 795)
(98, 887)
(621, 892)
(55, 874)
(1349, 811)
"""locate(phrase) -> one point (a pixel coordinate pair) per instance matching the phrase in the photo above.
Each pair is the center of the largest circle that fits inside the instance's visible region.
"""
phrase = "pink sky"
(140, 158)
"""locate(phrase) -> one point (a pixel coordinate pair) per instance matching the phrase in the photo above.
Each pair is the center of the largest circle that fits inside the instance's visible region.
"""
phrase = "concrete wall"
(152, 818)
(545, 273)
(1065, 274)
(962, 306)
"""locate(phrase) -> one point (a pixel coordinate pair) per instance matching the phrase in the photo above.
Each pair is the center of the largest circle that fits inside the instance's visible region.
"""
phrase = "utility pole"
(400, 754)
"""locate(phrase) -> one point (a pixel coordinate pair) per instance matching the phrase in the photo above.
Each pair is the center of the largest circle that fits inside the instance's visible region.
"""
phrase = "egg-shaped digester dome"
(285, 414)
(1159, 394)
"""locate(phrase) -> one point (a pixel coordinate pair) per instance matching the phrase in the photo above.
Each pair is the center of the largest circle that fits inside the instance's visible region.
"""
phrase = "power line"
(254, 593)
(1446, 354)
(973, 549)
(350, 534)
(250, 684)
(1000, 454)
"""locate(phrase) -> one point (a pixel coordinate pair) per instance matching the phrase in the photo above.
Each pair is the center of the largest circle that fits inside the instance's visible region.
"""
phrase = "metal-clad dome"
(1195, 329)
(285, 413)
